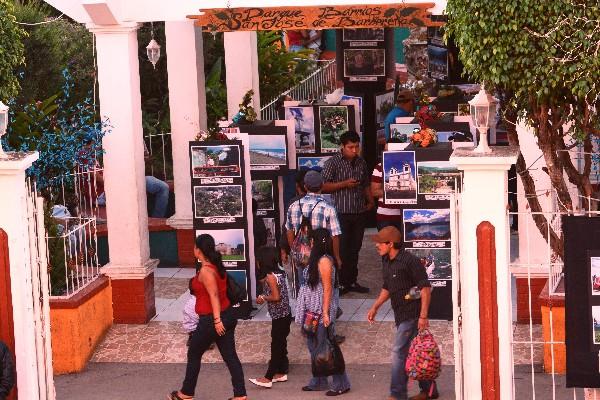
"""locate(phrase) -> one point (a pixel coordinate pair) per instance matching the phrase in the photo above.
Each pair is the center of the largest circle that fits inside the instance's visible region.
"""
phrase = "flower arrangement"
(425, 114)
(424, 138)
(247, 114)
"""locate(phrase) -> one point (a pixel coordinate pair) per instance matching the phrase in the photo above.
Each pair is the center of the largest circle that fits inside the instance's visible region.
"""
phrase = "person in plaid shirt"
(323, 214)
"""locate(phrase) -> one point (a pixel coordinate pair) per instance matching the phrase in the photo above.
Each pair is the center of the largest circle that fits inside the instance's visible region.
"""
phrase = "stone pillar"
(484, 198)
(241, 65)
(130, 267)
(187, 101)
(13, 220)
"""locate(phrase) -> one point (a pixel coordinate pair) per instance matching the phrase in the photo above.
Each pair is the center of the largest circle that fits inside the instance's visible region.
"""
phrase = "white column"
(13, 219)
(484, 198)
(241, 66)
(124, 175)
(187, 102)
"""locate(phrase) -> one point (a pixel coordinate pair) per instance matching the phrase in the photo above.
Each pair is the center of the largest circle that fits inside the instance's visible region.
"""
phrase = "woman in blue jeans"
(318, 295)
(216, 322)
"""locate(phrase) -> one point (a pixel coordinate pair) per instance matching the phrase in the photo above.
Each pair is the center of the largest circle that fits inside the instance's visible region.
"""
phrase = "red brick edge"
(82, 296)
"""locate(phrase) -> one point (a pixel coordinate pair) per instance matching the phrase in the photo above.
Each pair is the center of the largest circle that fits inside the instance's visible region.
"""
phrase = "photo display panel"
(268, 148)
(265, 191)
(421, 180)
(364, 55)
(219, 205)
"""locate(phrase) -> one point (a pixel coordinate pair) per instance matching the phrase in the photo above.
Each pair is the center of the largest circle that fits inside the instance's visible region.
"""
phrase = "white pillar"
(484, 198)
(241, 66)
(13, 219)
(124, 175)
(187, 102)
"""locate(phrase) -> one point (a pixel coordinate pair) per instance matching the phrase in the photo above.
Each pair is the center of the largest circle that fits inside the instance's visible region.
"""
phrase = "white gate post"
(14, 221)
(241, 66)
(484, 198)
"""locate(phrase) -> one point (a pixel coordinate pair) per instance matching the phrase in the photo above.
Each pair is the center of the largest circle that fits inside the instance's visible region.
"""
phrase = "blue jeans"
(204, 335)
(160, 190)
(405, 333)
(338, 382)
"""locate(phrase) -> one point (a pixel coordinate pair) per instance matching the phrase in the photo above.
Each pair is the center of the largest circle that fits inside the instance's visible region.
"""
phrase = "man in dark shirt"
(401, 272)
(347, 178)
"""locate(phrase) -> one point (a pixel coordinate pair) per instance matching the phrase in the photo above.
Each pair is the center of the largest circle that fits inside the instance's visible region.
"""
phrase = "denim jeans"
(279, 363)
(405, 333)
(201, 339)
(160, 190)
(338, 382)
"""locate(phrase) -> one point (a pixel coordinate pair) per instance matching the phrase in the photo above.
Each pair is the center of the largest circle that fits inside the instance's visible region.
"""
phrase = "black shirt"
(399, 275)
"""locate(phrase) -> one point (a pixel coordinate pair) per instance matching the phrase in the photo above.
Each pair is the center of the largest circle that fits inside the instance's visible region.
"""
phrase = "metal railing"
(315, 86)
(159, 146)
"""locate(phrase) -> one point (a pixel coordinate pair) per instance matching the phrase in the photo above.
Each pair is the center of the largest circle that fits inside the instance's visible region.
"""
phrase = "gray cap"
(313, 181)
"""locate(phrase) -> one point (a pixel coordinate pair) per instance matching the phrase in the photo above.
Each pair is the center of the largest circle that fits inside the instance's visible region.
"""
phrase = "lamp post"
(3, 126)
(153, 48)
(483, 108)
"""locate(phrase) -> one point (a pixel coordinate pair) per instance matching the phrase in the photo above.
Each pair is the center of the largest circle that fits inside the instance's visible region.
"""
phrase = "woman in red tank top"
(216, 323)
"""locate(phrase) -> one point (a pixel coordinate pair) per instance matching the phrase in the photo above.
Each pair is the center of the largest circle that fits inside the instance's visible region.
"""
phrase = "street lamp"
(483, 109)
(3, 126)
(153, 52)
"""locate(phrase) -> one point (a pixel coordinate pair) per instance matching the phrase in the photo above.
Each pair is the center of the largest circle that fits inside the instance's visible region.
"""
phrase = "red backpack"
(424, 362)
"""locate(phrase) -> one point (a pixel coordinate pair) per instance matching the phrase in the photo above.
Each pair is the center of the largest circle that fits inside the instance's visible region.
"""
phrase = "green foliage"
(11, 51)
(216, 93)
(279, 69)
(50, 49)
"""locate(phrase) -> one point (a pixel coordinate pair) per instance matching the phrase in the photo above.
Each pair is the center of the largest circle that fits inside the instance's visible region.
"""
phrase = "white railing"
(313, 87)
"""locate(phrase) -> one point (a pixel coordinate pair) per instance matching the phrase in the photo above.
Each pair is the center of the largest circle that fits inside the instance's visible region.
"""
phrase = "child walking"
(275, 294)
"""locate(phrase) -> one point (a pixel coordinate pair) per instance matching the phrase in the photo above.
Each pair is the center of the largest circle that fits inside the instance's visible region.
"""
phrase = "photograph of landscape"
(596, 324)
(595, 274)
(333, 122)
(437, 262)
(216, 161)
(218, 201)
(304, 121)
(268, 150)
(262, 192)
(400, 180)
(423, 225)
(239, 275)
(271, 231)
(231, 243)
(437, 177)
(312, 162)
(403, 131)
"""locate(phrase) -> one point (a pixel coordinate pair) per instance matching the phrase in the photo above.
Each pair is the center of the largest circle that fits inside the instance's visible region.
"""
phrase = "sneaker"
(355, 287)
(336, 392)
(267, 385)
(282, 378)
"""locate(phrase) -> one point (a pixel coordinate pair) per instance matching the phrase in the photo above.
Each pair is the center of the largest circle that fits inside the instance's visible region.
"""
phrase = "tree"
(11, 51)
(542, 59)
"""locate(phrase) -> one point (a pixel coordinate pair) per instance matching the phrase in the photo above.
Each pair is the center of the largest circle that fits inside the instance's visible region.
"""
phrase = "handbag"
(310, 322)
(328, 359)
(424, 361)
(235, 292)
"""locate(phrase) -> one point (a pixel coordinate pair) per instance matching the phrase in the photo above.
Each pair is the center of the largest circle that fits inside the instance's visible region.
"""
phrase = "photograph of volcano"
(422, 225)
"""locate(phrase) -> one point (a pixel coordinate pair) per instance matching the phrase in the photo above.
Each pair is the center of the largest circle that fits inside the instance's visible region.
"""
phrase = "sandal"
(175, 396)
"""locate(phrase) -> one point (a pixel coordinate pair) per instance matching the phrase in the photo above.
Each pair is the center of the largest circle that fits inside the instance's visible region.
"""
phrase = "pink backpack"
(424, 361)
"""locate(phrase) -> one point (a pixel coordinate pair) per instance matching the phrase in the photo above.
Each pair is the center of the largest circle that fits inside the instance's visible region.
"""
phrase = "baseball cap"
(313, 181)
(388, 234)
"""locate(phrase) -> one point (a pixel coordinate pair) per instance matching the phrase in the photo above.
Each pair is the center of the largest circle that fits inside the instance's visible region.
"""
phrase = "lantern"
(483, 113)
(153, 52)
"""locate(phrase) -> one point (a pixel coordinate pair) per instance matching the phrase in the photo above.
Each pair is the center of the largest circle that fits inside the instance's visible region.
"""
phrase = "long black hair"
(267, 260)
(321, 246)
(206, 244)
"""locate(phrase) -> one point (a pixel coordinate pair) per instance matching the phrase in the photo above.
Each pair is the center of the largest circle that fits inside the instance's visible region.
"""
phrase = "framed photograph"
(426, 225)
(384, 103)
(262, 192)
(596, 324)
(333, 121)
(400, 177)
(218, 201)
(240, 277)
(437, 177)
(304, 120)
(403, 131)
(437, 262)
(312, 162)
(360, 105)
(364, 62)
(438, 62)
(363, 34)
(463, 109)
(231, 243)
(268, 150)
(271, 231)
(216, 161)
(595, 276)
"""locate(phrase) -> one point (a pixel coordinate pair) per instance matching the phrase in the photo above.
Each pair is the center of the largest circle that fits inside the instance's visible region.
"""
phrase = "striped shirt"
(339, 169)
(323, 215)
(385, 212)
(310, 299)
(399, 275)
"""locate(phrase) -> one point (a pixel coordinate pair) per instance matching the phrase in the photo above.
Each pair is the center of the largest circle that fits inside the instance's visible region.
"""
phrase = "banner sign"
(315, 17)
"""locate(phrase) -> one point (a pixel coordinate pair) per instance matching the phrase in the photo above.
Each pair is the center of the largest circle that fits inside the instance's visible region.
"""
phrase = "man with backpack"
(405, 283)
(307, 213)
